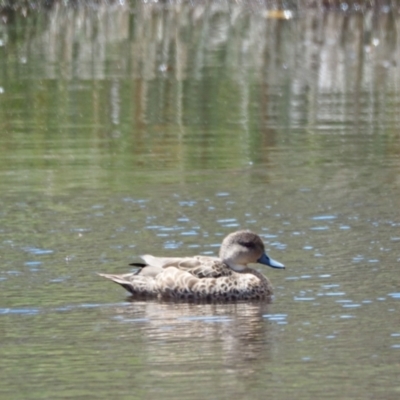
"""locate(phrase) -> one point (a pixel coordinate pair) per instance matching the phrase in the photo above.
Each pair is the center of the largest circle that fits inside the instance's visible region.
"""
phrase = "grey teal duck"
(227, 277)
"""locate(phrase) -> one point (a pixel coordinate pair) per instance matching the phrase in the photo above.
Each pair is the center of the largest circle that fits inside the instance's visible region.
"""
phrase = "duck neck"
(248, 270)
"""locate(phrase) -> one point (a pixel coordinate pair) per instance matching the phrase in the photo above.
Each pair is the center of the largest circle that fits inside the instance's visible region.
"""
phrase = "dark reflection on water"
(159, 128)
(239, 330)
(178, 91)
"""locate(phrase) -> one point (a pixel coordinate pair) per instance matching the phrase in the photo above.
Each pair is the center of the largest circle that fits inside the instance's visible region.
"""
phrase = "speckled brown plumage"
(210, 278)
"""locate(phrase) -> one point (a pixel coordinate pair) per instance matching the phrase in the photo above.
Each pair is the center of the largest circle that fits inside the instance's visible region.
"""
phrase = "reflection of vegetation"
(186, 87)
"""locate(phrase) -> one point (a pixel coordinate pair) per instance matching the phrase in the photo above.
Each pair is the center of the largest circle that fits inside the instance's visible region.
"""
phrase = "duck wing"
(199, 266)
(173, 275)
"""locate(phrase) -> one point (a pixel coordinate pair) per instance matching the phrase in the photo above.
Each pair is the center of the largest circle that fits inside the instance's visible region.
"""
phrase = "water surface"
(142, 128)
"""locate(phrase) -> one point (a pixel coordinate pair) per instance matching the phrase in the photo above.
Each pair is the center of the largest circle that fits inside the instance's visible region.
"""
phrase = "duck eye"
(248, 244)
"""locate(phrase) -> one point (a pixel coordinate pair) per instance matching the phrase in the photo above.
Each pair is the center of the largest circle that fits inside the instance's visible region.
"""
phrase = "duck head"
(245, 247)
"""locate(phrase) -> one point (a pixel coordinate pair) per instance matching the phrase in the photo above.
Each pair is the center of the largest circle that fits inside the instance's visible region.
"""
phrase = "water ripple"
(280, 319)
(323, 217)
(37, 251)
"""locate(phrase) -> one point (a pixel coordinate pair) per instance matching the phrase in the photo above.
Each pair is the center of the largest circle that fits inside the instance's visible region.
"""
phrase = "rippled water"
(143, 141)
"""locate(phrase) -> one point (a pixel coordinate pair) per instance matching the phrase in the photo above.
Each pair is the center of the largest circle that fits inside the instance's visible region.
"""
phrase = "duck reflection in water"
(223, 278)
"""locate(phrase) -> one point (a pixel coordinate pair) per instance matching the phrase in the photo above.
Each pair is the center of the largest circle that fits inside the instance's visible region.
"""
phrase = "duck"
(224, 278)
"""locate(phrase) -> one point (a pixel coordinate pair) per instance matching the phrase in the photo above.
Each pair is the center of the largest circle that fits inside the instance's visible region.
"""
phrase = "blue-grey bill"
(266, 260)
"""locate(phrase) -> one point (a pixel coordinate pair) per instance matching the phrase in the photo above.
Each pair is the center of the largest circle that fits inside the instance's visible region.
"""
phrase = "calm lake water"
(146, 128)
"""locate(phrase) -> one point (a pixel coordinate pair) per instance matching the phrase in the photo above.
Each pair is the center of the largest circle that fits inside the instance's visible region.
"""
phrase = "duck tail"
(120, 279)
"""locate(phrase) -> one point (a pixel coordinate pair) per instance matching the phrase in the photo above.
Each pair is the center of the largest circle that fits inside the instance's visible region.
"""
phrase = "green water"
(148, 128)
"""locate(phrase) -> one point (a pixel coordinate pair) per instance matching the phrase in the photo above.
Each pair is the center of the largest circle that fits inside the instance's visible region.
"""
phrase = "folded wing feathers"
(198, 277)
